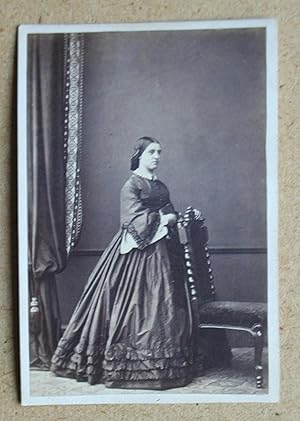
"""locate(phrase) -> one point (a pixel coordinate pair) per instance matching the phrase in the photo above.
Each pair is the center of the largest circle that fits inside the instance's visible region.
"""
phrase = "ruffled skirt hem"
(153, 373)
(144, 379)
(161, 384)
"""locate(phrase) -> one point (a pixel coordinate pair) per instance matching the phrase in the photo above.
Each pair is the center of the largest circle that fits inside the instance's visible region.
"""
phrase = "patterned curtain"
(72, 137)
(55, 74)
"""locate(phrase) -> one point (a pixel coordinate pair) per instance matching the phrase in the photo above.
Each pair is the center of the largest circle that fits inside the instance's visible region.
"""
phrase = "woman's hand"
(197, 214)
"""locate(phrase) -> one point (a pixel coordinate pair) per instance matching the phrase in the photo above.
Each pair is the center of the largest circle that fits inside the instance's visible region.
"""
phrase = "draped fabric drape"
(55, 64)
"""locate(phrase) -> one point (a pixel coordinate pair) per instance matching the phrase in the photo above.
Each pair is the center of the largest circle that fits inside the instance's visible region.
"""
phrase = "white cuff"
(128, 242)
(164, 219)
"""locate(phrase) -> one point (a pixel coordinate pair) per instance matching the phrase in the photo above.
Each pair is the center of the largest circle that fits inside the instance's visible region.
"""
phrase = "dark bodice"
(141, 201)
(154, 195)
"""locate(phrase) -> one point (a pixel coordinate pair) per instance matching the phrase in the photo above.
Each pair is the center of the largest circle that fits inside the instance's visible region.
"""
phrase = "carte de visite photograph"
(147, 187)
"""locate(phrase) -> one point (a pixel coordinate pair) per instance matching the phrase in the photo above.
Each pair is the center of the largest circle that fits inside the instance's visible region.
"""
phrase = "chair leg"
(258, 334)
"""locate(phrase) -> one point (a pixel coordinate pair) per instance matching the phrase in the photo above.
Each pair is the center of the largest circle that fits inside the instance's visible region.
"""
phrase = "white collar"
(143, 174)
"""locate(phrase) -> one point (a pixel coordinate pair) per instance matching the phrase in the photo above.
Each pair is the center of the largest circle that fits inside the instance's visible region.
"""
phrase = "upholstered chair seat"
(231, 313)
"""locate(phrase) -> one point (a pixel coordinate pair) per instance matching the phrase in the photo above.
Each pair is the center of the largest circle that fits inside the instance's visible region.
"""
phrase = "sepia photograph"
(147, 200)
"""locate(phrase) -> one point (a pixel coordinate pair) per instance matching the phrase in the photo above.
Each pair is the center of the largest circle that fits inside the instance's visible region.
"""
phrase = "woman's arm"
(136, 219)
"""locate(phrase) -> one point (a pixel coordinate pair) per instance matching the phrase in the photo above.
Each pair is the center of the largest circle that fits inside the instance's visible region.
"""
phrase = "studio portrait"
(148, 234)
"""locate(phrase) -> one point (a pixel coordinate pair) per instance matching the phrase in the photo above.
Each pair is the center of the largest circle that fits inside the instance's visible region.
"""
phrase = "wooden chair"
(208, 311)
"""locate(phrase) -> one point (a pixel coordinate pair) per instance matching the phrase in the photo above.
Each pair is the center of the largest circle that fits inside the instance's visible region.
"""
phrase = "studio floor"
(238, 379)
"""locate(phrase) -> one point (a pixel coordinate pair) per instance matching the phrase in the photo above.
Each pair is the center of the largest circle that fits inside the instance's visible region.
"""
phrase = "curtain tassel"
(35, 316)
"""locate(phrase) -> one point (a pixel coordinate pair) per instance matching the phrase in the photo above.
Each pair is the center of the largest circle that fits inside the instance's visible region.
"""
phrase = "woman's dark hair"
(141, 144)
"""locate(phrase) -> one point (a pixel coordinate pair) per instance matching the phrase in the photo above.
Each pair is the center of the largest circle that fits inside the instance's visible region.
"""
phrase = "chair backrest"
(198, 235)
(194, 236)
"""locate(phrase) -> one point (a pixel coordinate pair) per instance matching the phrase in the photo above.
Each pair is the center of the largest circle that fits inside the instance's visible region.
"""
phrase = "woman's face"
(150, 157)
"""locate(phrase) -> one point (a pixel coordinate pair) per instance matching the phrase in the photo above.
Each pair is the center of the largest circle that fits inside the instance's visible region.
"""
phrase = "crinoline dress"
(132, 327)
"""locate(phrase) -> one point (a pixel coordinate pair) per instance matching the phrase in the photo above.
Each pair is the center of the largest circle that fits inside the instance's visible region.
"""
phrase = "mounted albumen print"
(148, 212)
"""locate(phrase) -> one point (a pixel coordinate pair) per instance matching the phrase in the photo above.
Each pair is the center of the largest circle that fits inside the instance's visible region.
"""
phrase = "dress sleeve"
(136, 219)
(128, 242)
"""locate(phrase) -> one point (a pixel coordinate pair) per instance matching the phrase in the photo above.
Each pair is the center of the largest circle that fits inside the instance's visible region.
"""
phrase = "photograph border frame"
(270, 26)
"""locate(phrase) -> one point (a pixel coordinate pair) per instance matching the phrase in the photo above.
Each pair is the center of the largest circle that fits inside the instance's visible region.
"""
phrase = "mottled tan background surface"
(13, 13)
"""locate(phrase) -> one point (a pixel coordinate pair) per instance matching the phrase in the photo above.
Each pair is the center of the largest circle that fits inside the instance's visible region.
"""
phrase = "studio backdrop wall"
(203, 95)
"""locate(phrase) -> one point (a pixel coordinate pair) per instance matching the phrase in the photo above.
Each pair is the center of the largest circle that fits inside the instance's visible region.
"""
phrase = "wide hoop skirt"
(132, 327)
